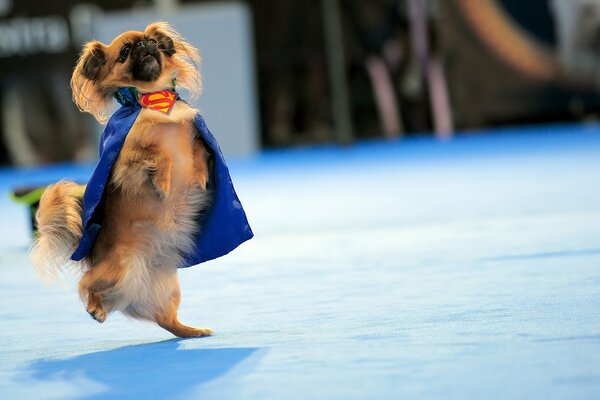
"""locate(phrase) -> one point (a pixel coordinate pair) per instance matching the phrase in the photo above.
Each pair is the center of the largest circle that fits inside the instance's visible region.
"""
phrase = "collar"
(162, 100)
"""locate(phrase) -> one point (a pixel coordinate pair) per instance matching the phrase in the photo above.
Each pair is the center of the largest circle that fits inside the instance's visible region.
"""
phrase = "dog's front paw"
(158, 189)
(200, 181)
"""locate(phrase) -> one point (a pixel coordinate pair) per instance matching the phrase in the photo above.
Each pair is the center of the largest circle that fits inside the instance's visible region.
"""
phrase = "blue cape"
(224, 224)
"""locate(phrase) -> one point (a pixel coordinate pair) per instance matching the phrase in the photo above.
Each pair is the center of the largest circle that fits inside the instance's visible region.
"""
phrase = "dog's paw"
(200, 181)
(98, 314)
(201, 332)
(157, 189)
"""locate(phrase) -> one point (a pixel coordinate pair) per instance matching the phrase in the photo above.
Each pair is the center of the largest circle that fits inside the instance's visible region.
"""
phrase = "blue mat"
(386, 270)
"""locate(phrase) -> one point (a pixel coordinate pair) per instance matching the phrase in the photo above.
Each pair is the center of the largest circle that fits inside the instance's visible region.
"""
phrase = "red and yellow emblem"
(162, 101)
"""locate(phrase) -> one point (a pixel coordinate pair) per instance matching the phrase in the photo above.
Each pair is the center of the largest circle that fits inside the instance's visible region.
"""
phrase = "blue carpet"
(386, 270)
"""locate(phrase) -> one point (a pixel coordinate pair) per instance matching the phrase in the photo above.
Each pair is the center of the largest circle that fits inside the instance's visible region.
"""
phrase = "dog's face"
(132, 58)
(146, 60)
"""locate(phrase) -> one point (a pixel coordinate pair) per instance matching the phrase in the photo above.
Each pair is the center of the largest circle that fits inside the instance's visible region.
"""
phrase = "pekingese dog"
(156, 188)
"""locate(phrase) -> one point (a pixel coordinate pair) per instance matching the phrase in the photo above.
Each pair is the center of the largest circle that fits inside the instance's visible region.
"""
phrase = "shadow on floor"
(144, 371)
(552, 254)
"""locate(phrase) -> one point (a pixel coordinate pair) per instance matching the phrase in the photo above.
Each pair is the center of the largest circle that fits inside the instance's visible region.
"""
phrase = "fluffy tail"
(59, 229)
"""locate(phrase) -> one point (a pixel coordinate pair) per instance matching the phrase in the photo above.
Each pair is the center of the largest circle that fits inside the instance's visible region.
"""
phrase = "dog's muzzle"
(146, 61)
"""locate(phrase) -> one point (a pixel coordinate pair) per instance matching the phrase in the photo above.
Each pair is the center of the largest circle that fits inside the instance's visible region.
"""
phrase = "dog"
(156, 189)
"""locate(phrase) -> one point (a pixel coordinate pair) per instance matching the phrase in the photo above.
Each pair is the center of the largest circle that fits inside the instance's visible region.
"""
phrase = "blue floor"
(387, 270)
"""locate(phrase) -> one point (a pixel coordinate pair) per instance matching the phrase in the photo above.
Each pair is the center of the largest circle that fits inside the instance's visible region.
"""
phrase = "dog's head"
(146, 60)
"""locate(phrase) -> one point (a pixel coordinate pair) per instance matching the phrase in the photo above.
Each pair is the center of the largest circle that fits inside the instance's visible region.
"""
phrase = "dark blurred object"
(578, 31)
(4, 159)
(375, 26)
(41, 125)
(292, 71)
(423, 32)
(397, 45)
(292, 75)
(503, 66)
(39, 43)
(333, 70)
(30, 197)
(396, 79)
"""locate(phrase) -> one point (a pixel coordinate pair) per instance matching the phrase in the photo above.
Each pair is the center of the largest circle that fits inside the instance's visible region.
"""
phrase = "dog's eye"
(124, 53)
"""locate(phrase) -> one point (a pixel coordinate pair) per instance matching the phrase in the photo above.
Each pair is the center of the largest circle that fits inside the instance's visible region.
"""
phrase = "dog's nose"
(146, 45)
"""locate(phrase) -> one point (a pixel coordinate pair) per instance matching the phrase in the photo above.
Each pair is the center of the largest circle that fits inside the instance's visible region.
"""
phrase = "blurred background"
(420, 175)
(298, 72)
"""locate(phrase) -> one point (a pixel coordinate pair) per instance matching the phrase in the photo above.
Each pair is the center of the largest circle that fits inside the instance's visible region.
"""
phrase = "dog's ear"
(93, 58)
(181, 55)
(165, 42)
(87, 78)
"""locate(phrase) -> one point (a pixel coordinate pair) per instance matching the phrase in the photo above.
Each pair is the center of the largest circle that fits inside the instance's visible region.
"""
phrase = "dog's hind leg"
(94, 307)
(167, 319)
(93, 287)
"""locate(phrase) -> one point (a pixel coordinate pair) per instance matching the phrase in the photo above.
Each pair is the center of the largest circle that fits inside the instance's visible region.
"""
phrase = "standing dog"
(156, 189)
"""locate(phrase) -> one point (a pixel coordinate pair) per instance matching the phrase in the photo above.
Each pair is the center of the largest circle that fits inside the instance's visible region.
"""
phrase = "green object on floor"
(30, 196)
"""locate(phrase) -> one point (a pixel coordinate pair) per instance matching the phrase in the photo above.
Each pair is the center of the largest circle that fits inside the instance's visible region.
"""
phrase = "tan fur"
(156, 190)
